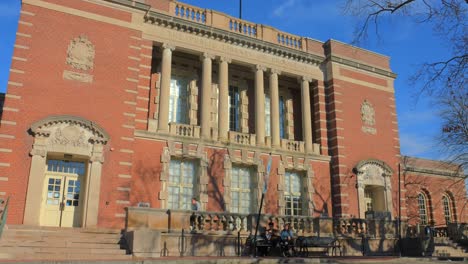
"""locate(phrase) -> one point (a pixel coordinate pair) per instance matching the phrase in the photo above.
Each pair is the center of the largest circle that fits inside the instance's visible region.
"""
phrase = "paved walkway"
(244, 260)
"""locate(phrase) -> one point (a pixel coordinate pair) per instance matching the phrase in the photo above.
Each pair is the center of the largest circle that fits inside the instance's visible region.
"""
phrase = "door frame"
(72, 137)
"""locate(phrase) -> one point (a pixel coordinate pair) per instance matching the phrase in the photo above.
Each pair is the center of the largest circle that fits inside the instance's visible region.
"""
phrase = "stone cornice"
(231, 37)
(132, 4)
(361, 66)
(143, 134)
(234, 38)
(446, 173)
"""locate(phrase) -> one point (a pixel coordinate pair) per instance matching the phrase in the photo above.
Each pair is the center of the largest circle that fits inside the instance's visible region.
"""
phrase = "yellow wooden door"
(62, 200)
(62, 203)
(53, 200)
(71, 208)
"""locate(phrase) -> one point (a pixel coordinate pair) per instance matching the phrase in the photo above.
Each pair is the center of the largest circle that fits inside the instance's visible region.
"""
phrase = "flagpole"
(240, 9)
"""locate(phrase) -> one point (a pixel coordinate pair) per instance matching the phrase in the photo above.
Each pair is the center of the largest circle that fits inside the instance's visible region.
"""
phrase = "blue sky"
(408, 44)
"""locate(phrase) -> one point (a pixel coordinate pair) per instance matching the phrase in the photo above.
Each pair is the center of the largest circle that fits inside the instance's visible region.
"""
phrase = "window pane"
(182, 175)
(178, 100)
(447, 211)
(422, 209)
(234, 105)
(281, 116)
(241, 194)
(292, 193)
(267, 116)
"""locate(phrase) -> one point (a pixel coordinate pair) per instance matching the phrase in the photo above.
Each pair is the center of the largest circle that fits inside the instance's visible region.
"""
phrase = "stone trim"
(302, 166)
(19, 58)
(244, 159)
(19, 34)
(148, 135)
(201, 188)
(72, 135)
(21, 47)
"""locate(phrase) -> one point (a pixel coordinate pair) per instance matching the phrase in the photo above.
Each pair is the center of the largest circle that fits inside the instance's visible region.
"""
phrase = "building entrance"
(62, 195)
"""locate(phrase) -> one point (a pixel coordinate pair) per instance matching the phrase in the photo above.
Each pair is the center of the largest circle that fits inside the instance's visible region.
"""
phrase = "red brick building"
(116, 104)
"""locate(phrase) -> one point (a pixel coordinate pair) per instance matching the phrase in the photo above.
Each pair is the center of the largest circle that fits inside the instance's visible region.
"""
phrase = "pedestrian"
(195, 207)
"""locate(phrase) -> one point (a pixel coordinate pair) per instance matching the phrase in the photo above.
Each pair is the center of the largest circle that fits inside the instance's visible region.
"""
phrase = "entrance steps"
(20, 242)
(446, 248)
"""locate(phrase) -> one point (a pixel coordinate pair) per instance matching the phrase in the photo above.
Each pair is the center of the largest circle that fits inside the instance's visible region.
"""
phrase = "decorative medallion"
(80, 53)
(368, 118)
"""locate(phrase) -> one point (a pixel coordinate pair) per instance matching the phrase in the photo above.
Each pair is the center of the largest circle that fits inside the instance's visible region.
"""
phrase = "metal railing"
(3, 214)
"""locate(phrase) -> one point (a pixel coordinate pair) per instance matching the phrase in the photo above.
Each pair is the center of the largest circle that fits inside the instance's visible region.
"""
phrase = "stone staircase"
(49, 243)
(446, 248)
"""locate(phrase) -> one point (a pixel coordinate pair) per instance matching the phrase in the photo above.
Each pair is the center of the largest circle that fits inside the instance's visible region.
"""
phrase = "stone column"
(306, 115)
(206, 96)
(223, 103)
(163, 121)
(93, 190)
(32, 211)
(259, 105)
(274, 109)
(361, 199)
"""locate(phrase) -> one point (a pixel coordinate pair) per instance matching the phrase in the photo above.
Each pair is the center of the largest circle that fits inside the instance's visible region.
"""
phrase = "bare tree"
(454, 114)
(444, 80)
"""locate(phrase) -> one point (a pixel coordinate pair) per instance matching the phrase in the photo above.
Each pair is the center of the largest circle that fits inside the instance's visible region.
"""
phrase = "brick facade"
(352, 105)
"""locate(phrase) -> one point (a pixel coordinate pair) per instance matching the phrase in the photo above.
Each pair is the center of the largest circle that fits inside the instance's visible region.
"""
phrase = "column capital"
(207, 55)
(224, 59)
(275, 71)
(168, 46)
(305, 79)
(260, 67)
(38, 152)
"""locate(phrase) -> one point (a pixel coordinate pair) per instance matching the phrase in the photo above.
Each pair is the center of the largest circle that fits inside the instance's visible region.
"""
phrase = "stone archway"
(374, 183)
(72, 136)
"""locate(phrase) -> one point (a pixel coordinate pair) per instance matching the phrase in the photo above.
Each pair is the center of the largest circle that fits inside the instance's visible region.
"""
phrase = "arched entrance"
(374, 187)
(65, 175)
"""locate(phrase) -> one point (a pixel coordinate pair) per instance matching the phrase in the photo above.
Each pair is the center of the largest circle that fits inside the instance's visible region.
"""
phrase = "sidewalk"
(244, 260)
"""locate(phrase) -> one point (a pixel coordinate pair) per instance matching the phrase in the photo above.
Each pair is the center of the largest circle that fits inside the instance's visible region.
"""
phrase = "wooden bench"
(327, 244)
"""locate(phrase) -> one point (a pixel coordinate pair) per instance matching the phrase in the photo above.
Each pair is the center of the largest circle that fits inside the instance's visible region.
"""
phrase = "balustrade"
(290, 41)
(243, 27)
(189, 12)
(292, 145)
(225, 222)
(355, 227)
(241, 138)
(184, 130)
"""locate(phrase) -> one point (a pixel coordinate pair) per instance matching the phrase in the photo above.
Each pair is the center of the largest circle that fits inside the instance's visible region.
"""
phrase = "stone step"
(63, 229)
(55, 250)
(52, 243)
(46, 243)
(59, 233)
(62, 239)
(63, 256)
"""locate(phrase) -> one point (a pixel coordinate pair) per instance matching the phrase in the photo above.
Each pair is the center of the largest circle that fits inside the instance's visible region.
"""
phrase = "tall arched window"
(446, 202)
(422, 203)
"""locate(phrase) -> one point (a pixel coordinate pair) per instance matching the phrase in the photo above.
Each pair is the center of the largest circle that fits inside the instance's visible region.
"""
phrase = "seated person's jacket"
(285, 234)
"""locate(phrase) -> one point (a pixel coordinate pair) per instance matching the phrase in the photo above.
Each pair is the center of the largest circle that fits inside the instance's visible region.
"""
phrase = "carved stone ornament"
(367, 113)
(70, 130)
(70, 135)
(372, 172)
(80, 53)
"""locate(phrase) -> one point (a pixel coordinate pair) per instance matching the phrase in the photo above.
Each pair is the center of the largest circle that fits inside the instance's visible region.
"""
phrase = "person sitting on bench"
(287, 240)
